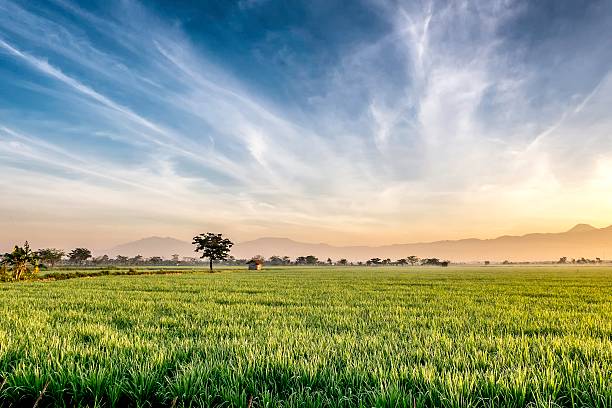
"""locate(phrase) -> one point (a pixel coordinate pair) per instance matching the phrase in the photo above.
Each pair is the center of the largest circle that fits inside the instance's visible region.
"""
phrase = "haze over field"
(351, 123)
(580, 241)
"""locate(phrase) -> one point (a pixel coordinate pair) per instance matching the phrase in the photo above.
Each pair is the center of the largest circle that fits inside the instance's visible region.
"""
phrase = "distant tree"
(136, 260)
(121, 260)
(562, 260)
(79, 255)
(434, 262)
(487, 262)
(286, 260)
(300, 260)
(413, 259)
(213, 246)
(373, 261)
(156, 260)
(275, 260)
(311, 260)
(175, 258)
(342, 262)
(101, 260)
(506, 262)
(22, 262)
(598, 260)
(401, 262)
(329, 261)
(50, 256)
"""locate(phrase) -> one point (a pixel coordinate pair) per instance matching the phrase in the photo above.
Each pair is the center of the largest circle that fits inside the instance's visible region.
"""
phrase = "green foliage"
(79, 255)
(311, 260)
(213, 246)
(4, 273)
(295, 337)
(20, 264)
(50, 256)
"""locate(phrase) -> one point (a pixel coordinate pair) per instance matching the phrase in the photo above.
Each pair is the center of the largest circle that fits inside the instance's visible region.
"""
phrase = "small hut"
(255, 264)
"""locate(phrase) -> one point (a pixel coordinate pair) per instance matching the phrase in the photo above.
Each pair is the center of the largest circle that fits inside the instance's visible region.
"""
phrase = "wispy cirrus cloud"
(437, 115)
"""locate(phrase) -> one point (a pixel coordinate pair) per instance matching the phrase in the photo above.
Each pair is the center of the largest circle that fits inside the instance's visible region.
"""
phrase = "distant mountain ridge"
(582, 240)
(153, 246)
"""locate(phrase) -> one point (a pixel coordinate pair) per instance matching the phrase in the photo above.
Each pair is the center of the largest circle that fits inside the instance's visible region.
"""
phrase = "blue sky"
(367, 122)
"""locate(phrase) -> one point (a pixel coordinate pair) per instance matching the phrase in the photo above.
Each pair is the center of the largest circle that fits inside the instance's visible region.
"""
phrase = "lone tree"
(79, 255)
(213, 246)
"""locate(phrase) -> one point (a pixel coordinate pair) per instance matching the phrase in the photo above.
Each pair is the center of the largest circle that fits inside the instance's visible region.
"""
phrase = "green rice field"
(312, 337)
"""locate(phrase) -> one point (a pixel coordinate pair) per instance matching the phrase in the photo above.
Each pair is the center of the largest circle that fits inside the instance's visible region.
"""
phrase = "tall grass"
(294, 337)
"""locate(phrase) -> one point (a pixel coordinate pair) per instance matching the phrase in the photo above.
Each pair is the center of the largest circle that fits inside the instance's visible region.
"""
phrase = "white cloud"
(426, 124)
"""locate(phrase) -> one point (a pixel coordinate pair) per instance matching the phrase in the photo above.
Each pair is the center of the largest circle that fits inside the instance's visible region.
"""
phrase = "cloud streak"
(436, 121)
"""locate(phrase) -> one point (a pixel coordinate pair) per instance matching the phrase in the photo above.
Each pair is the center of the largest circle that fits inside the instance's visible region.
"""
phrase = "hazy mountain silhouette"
(580, 241)
(153, 246)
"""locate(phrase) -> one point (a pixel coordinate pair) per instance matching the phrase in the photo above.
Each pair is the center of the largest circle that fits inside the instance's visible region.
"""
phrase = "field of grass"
(295, 337)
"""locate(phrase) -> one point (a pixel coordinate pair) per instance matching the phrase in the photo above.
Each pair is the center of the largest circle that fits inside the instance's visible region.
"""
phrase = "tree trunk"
(210, 259)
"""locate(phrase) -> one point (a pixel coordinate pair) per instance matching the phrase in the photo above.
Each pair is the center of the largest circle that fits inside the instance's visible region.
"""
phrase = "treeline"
(413, 260)
(24, 263)
(82, 257)
(579, 261)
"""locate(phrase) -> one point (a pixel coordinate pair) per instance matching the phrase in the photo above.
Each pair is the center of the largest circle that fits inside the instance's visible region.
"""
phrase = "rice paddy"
(294, 337)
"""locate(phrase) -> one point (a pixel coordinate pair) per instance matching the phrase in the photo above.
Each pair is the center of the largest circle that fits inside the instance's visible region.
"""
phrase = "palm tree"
(22, 261)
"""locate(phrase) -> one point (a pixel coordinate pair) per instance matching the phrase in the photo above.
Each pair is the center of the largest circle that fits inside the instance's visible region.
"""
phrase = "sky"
(363, 122)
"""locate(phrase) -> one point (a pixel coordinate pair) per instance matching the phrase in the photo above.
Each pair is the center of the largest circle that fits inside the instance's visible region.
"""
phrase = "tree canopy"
(79, 255)
(50, 255)
(213, 246)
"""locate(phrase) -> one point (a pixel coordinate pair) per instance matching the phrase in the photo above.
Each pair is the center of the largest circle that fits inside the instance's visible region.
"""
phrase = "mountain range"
(581, 241)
